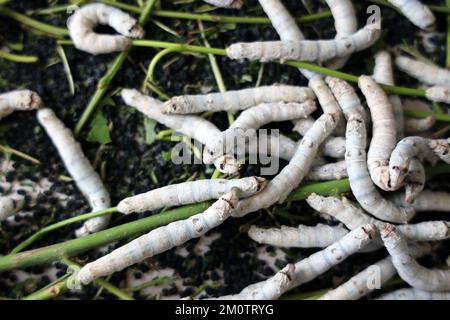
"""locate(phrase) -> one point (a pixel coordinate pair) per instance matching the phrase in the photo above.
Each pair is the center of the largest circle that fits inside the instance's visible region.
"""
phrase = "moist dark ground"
(129, 162)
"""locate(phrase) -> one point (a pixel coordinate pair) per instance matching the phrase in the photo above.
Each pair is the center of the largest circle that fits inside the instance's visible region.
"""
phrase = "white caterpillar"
(418, 13)
(330, 171)
(414, 126)
(305, 50)
(423, 71)
(319, 236)
(161, 239)
(438, 94)
(237, 100)
(10, 205)
(79, 167)
(18, 100)
(408, 268)
(316, 264)
(189, 192)
(427, 200)
(233, 4)
(414, 294)
(82, 23)
(360, 182)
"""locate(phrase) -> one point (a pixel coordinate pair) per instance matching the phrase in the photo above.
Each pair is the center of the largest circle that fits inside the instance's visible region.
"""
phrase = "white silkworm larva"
(438, 94)
(424, 72)
(383, 72)
(370, 278)
(233, 4)
(408, 268)
(79, 167)
(237, 100)
(18, 100)
(319, 236)
(161, 239)
(330, 171)
(192, 126)
(427, 200)
(360, 182)
(415, 180)
(414, 126)
(305, 50)
(384, 132)
(82, 23)
(189, 192)
(10, 205)
(318, 263)
(414, 294)
(416, 12)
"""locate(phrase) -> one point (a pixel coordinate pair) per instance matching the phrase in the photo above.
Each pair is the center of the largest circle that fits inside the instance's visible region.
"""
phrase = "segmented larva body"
(408, 268)
(414, 294)
(320, 262)
(10, 205)
(438, 94)
(360, 182)
(21, 100)
(305, 50)
(415, 180)
(233, 4)
(302, 125)
(424, 72)
(383, 73)
(237, 100)
(319, 236)
(418, 13)
(161, 239)
(414, 126)
(426, 201)
(79, 167)
(330, 171)
(82, 23)
(189, 192)
(363, 283)
(192, 126)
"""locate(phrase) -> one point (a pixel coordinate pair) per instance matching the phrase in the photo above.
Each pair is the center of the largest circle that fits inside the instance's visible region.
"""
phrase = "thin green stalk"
(329, 188)
(19, 58)
(423, 114)
(18, 153)
(151, 283)
(155, 61)
(27, 242)
(48, 293)
(104, 82)
(66, 66)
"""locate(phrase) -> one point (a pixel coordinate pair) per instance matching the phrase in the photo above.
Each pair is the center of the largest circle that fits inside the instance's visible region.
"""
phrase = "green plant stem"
(50, 292)
(18, 57)
(155, 61)
(18, 153)
(423, 114)
(27, 242)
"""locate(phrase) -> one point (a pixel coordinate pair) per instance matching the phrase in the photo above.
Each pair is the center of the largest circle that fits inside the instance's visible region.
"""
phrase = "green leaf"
(99, 131)
(150, 133)
(166, 155)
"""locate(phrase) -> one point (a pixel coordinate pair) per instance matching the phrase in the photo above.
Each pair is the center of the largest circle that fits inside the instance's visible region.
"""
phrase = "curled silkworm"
(161, 239)
(438, 94)
(18, 100)
(10, 205)
(237, 100)
(370, 278)
(361, 184)
(383, 73)
(79, 167)
(418, 13)
(189, 192)
(82, 23)
(192, 126)
(408, 268)
(330, 171)
(233, 4)
(305, 50)
(427, 200)
(423, 71)
(319, 236)
(318, 263)
(414, 294)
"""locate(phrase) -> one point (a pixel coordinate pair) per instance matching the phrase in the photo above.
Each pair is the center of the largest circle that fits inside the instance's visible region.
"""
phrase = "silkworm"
(438, 94)
(383, 73)
(316, 264)
(10, 205)
(237, 100)
(330, 171)
(414, 294)
(352, 217)
(161, 239)
(21, 100)
(305, 50)
(319, 236)
(189, 192)
(82, 23)
(192, 126)
(427, 200)
(415, 180)
(79, 167)
(233, 4)
(302, 125)
(360, 182)
(423, 71)
(416, 12)
(370, 278)
(408, 268)
(414, 126)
